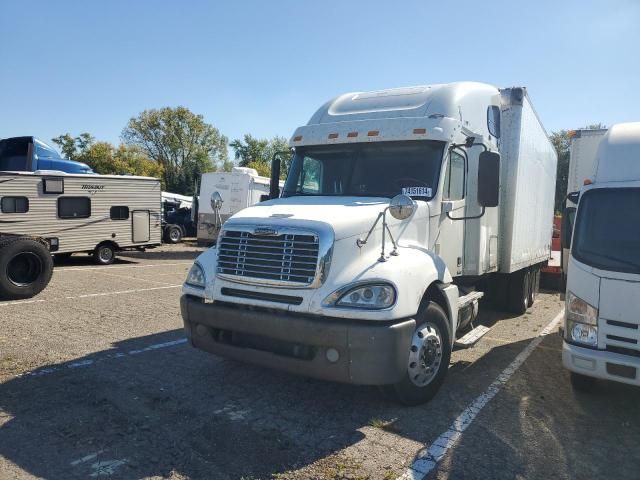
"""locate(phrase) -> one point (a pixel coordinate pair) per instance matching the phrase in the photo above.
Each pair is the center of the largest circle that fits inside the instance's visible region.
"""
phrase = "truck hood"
(348, 216)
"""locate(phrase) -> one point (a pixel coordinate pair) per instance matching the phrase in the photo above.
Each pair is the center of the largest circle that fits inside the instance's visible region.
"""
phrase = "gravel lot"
(97, 381)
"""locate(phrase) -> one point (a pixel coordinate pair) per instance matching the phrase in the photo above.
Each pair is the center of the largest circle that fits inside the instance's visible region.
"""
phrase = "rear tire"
(582, 383)
(104, 254)
(26, 267)
(430, 352)
(519, 291)
(534, 286)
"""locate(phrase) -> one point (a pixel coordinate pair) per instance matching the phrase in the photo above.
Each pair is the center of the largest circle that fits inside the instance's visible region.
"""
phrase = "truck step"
(471, 338)
(468, 298)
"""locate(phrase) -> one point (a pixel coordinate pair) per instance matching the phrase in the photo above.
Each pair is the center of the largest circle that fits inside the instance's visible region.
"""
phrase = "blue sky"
(263, 67)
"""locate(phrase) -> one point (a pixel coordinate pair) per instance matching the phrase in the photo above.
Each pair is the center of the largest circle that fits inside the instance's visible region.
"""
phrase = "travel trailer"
(238, 189)
(401, 209)
(602, 327)
(96, 214)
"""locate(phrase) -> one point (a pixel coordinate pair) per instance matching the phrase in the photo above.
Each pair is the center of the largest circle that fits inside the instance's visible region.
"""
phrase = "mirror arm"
(473, 217)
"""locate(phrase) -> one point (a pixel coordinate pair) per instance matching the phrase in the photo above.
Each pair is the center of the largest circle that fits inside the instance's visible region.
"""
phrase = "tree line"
(177, 146)
(172, 144)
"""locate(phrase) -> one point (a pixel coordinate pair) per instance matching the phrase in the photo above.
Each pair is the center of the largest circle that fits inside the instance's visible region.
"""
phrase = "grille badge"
(265, 231)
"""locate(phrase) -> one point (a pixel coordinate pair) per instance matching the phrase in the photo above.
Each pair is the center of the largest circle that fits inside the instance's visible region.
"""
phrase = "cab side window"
(454, 177)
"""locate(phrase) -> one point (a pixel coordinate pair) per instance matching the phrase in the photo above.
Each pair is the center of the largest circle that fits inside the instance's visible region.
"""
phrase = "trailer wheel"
(519, 290)
(429, 355)
(26, 267)
(582, 383)
(174, 234)
(104, 254)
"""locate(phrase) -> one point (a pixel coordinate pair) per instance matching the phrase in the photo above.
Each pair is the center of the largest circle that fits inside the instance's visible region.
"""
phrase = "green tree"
(561, 141)
(258, 152)
(72, 147)
(181, 142)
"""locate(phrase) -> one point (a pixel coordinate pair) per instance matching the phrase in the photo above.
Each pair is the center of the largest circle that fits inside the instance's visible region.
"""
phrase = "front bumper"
(601, 364)
(368, 353)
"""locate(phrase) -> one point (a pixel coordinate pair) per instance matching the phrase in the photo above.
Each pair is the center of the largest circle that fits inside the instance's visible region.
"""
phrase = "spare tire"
(26, 267)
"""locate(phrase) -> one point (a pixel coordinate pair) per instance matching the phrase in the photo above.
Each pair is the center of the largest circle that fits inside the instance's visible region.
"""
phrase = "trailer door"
(141, 226)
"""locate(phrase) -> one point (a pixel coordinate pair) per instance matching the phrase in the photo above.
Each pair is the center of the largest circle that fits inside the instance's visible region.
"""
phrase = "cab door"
(449, 243)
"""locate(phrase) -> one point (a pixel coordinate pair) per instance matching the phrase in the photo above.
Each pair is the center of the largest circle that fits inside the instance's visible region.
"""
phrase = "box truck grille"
(288, 258)
(621, 337)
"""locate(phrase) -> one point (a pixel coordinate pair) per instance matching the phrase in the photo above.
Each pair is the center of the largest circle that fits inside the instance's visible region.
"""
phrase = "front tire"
(429, 355)
(26, 267)
(174, 234)
(104, 254)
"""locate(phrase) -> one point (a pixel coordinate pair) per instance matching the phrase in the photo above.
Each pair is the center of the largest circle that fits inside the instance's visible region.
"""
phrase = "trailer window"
(454, 178)
(74, 207)
(15, 205)
(493, 120)
(119, 213)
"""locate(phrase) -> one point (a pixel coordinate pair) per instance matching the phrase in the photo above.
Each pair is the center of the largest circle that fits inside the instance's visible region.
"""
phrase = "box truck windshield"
(380, 169)
(607, 236)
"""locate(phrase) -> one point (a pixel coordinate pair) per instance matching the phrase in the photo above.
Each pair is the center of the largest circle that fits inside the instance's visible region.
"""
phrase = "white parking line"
(113, 267)
(428, 459)
(90, 295)
(109, 274)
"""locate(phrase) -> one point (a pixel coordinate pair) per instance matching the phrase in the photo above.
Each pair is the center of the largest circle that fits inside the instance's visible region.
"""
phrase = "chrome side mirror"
(216, 201)
(402, 207)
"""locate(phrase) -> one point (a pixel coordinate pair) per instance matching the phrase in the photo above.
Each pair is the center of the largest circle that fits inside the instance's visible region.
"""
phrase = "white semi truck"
(602, 326)
(401, 208)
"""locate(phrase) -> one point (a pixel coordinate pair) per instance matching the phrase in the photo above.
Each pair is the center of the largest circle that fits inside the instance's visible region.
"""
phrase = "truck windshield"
(381, 169)
(607, 232)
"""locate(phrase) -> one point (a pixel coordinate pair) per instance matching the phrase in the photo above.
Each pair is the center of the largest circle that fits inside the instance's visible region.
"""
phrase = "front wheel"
(174, 234)
(429, 355)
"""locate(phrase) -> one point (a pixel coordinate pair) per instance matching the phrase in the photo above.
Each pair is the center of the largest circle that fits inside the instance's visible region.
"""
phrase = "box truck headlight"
(582, 321)
(195, 277)
(373, 296)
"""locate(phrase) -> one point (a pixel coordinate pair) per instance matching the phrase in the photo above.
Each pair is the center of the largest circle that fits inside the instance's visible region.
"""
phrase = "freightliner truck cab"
(366, 265)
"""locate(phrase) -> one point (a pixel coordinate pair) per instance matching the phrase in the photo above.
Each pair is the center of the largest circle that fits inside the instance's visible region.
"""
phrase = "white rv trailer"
(97, 214)
(240, 188)
(400, 209)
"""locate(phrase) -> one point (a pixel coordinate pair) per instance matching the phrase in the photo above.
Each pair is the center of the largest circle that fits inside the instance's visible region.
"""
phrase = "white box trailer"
(583, 147)
(240, 188)
(401, 208)
(97, 214)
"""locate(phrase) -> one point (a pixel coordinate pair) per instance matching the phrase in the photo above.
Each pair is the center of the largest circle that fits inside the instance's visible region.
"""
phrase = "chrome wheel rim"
(174, 235)
(105, 254)
(425, 355)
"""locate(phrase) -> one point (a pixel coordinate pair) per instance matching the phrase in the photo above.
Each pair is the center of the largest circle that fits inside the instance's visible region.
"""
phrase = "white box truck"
(602, 323)
(400, 209)
(238, 189)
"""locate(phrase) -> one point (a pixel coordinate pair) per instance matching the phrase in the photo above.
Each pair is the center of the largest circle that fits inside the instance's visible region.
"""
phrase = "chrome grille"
(290, 258)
